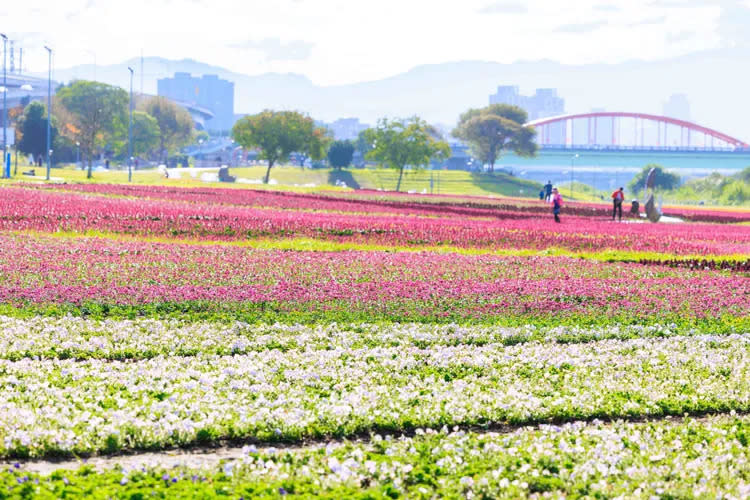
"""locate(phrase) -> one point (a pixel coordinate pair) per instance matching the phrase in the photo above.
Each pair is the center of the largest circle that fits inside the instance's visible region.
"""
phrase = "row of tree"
(92, 117)
(393, 143)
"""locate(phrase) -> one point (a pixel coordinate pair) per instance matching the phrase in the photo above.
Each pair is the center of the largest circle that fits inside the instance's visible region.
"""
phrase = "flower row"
(28, 209)
(64, 406)
(355, 286)
(369, 201)
(705, 458)
(79, 338)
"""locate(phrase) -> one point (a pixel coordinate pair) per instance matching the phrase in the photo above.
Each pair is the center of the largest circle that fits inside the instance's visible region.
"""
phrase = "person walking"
(635, 207)
(618, 197)
(548, 190)
(556, 203)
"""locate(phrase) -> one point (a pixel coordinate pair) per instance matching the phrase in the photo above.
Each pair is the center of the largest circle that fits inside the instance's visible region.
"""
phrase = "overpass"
(200, 115)
(626, 131)
(23, 88)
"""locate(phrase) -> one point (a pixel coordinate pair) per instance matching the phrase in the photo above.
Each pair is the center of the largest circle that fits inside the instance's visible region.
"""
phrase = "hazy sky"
(343, 41)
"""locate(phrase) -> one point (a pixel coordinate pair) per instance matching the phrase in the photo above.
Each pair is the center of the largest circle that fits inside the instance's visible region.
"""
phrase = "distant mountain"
(714, 81)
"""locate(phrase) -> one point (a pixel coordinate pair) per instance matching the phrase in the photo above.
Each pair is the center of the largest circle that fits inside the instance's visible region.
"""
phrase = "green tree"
(32, 128)
(318, 142)
(662, 179)
(498, 127)
(340, 154)
(146, 133)
(744, 175)
(277, 134)
(398, 143)
(735, 193)
(361, 144)
(95, 112)
(175, 124)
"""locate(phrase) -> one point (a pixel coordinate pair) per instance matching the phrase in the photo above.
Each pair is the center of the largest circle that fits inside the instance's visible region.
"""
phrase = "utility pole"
(49, 111)
(130, 129)
(5, 98)
(572, 166)
(141, 72)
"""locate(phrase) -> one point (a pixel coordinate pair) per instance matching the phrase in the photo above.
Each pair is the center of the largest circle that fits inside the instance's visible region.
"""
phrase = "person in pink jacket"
(556, 202)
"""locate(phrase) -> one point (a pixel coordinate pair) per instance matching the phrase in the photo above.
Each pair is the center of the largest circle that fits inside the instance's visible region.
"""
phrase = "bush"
(663, 179)
(735, 193)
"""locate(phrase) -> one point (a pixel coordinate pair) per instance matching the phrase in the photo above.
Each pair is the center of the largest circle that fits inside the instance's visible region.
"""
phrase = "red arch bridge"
(630, 131)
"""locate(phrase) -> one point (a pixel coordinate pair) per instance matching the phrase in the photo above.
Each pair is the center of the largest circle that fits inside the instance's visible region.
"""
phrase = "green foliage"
(32, 127)
(361, 144)
(417, 311)
(735, 192)
(277, 134)
(93, 113)
(494, 129)
(340, 154)
(175, 123)
(662, 179)
(398, 143)
(744, 175)
(317, 145)
(146, 133)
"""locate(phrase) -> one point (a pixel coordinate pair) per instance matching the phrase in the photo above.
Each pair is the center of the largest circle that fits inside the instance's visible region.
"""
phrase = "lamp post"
(130, 130)
(78, 154)
(572, 166)
(594, 183)
(5, 97)
(49, 110)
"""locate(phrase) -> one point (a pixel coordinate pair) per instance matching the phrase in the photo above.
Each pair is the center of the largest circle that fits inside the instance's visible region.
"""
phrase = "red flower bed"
(27, 209)
(54, 271)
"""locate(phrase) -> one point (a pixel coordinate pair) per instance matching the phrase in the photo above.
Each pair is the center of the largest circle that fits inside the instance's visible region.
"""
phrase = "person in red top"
(618, 197)
(556, 202)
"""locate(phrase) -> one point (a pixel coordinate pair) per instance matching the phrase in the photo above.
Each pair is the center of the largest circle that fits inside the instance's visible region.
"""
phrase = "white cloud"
(357, 40)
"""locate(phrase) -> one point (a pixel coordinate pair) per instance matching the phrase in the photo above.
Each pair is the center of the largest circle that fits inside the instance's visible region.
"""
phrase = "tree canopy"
(278, 134)
(94, 113)
(32, 128)
(317, 145)
(662, 179)
(146, 133)
(175, 123)
(398, 143)
(340, 154)
(494, 129)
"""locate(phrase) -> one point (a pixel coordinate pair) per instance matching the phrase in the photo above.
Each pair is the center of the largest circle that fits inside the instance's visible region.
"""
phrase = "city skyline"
(333, 42)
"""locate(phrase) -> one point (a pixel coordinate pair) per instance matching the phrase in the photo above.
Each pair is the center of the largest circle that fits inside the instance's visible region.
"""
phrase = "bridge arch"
(557, 125)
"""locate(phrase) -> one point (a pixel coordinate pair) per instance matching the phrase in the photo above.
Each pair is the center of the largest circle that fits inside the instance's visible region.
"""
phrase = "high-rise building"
(544, 103)
(677, 106)
(209, 92)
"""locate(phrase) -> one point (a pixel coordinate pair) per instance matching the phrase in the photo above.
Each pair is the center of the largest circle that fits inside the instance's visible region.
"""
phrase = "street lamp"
(130, 130)
(49, 110)
(5, 97)
(572, 166)
(78, 152)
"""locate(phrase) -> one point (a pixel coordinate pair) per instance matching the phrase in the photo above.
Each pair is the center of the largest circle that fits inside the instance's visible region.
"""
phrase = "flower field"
(369, 345)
